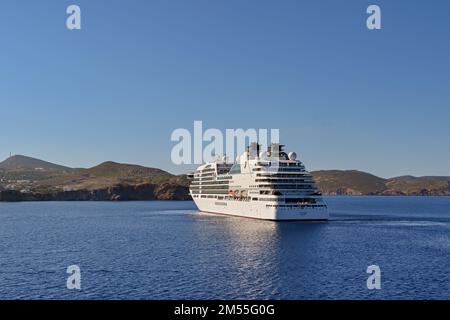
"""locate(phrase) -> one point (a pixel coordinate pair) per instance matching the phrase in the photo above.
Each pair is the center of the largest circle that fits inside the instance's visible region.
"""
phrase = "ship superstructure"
(270, 185)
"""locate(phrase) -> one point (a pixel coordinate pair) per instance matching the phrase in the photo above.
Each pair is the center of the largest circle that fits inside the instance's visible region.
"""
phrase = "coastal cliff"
(114, 193)
(27, 179)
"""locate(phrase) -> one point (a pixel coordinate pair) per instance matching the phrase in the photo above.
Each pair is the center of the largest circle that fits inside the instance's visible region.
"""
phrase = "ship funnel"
(253, 149)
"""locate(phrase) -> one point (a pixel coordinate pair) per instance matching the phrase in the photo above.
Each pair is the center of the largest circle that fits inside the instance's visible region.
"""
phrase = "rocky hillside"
(352, 182)
(408, 185)
(28, 179)
(146, 191)
(19, 162)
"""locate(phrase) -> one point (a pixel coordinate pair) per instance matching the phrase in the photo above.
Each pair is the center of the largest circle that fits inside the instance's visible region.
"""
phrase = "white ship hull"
(270, 185)
(260, 210)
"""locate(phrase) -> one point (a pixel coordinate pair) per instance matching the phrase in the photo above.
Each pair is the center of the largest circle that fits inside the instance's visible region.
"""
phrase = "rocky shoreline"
(145, 191)
(156, 192)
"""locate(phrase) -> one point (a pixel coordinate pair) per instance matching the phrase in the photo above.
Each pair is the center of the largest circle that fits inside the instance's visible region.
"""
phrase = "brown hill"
(349, 182)
(108, 174)
(352, 182)
(25, 178)
(19, 162)
(409, 185)
(36, 179)
(125, 171)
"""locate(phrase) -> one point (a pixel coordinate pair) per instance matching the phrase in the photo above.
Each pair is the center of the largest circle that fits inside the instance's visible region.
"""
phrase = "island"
(24, 178)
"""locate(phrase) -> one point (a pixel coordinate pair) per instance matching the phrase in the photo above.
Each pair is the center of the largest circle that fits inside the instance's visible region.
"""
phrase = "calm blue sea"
(167, 250)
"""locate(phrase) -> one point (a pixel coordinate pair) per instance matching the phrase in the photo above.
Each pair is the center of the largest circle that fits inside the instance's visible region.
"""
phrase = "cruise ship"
(268, 185)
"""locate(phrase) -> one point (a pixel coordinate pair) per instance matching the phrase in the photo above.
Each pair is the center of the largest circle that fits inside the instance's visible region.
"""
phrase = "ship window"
(235, 169)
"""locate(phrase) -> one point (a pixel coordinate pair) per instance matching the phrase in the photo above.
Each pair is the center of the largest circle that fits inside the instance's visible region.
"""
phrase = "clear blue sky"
(344, 97)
